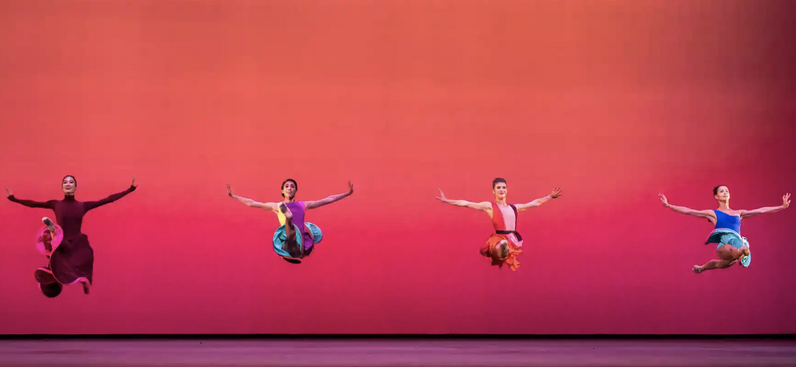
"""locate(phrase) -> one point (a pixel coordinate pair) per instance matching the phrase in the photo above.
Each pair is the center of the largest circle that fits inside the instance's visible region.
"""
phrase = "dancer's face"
(289, 190)
(69, 185)
(500, 190)
(723, 193)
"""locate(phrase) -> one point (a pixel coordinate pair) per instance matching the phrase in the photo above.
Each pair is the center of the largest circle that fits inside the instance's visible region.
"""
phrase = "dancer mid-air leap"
(505, 244)
(71, 258)
(731, 247)
(295, 239)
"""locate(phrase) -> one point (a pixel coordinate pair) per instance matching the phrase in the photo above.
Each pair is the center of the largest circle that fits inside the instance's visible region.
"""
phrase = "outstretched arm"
(251, 203)
(96, 204)
(681, 209)
(555, 194)
(28, 203)
(329, 199)
(482, 206)
(768, 209)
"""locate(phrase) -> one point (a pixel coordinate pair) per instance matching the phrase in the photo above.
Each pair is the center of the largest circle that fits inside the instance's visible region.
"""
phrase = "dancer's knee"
(292, 248)
(728, 253)
(51, 290)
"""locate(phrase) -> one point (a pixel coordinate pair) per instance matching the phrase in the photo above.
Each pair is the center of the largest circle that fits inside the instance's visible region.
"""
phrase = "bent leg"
(502, 249)
(728, 252)
(728, 256)
(48, 285)
(44, 276)
(290, 232)
(713, 264)
(291, 242)
(51, 290)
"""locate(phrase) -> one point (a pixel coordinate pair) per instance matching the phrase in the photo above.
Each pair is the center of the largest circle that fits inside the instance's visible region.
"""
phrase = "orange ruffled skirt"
(515, 249)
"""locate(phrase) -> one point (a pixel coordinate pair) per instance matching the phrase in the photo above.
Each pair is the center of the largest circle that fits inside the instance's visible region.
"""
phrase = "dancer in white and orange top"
(505, 244)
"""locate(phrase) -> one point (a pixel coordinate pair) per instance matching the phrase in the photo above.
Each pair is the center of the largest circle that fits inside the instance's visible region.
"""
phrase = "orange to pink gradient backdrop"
(615, 101)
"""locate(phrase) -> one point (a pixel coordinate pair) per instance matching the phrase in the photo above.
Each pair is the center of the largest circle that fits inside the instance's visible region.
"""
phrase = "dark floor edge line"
(394, 336)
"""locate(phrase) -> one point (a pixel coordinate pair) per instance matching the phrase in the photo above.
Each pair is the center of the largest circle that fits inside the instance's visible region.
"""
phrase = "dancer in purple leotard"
(296, 238)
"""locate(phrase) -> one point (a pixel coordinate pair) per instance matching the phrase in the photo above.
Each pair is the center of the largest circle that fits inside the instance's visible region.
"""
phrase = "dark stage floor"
(385, 353)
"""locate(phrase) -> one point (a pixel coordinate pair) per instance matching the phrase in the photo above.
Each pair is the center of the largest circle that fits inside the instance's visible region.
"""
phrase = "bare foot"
(286, 211)
(697, 269)
(49, 223)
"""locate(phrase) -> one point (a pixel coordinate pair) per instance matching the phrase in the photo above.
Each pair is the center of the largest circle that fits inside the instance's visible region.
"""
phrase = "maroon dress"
(74, 258)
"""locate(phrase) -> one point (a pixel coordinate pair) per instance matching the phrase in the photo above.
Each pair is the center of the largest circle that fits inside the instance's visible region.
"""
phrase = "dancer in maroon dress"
(73, 260)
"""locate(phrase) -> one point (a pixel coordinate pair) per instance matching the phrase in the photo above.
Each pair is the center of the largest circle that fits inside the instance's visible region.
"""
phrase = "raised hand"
(9, 192)
(441, 196)
(556, 193)
(229, 190)
(133, 184)
(350, 188)
(786, 200)
(663, 200)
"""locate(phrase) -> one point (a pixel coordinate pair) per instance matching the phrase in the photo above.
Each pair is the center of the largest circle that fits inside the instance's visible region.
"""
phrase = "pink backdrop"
(614, 101)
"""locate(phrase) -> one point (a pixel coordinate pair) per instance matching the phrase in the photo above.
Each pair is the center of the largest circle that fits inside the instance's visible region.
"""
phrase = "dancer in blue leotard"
(730, 246)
